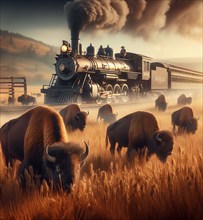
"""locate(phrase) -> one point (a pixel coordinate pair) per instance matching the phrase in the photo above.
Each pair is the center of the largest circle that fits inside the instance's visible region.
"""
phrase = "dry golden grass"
(109, 189)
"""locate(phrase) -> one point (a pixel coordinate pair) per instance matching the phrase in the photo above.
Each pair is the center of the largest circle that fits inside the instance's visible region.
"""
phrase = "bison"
(160, 103)
(137, 131)
(3, 101)
(73, 117)
(38, 139)
(11, 100)
(184, 119)
(183, 100)
(27, 99)
(106, 114)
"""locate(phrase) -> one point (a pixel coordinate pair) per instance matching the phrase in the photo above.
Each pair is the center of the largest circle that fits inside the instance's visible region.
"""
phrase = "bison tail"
(107, 138)
(97, 117)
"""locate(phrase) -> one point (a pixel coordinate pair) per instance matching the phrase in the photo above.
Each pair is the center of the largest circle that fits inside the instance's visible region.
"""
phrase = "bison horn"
(158, 138)
(84, 155)
(48, 156)
(87, 112)
(116, 113)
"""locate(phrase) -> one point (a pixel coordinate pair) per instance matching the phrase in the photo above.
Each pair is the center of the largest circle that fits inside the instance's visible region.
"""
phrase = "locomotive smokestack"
(75, 41)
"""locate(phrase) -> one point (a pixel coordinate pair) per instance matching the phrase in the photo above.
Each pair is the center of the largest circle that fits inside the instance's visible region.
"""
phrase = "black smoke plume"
(145, 18)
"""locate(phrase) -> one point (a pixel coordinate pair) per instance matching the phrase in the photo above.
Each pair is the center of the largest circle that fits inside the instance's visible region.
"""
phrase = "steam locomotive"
(82, 77)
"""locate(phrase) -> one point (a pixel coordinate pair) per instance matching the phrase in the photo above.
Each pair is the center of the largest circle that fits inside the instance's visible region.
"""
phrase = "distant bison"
(3, 101)
(38, 139)
(160, 103)
(183, 100)
(184, 119)
(106, 114)
(27, 99)
(139, 130)
(73, 117)
(11, 100)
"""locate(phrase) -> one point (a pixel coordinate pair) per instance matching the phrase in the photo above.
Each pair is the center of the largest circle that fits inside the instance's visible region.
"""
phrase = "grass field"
(110, 189)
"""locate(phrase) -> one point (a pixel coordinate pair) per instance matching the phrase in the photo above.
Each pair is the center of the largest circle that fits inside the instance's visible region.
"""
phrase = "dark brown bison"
(106, 114)
(184, 119)
(160, 103)
(137, 131)
(38, 138)
(27, 99)
(11, 100)
(183, 100)
(73, 117)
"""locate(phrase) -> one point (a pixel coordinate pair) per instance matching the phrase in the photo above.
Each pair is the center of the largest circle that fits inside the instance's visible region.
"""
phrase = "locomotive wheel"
(109, 89)
(117, 93)
(125, 93)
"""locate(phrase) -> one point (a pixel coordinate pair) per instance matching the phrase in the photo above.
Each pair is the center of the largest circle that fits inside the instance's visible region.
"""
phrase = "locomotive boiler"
(83, 77)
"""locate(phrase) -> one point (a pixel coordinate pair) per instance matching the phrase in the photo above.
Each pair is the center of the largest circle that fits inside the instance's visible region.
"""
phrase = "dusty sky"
(162, 30)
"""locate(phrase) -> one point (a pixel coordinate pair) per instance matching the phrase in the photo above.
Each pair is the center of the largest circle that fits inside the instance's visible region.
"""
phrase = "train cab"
(140, 63)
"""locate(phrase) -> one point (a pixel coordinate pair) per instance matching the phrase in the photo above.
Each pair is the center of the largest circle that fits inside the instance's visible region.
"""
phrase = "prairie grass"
(110, 189)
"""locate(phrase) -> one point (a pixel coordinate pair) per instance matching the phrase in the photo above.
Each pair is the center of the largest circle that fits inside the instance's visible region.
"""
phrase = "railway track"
(20, 108)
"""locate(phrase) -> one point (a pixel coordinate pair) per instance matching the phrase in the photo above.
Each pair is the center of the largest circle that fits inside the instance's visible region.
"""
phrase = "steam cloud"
(145, 18)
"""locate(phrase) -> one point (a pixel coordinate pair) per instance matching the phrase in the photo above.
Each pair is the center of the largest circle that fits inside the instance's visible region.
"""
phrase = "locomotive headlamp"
(64, 48)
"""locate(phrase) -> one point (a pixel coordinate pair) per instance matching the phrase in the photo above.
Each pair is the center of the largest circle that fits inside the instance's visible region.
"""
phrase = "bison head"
(21, 98)
(163, 144)
(79, 121)
(162, 106)
(64, 161)
(191, 125)
(189, 100)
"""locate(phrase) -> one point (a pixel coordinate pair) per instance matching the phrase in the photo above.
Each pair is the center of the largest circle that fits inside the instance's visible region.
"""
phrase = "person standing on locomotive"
(108, 51)
(101, 51)
(123, 52)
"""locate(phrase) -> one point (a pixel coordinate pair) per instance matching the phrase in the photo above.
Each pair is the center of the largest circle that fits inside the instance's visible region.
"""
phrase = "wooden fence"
(9, 85)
